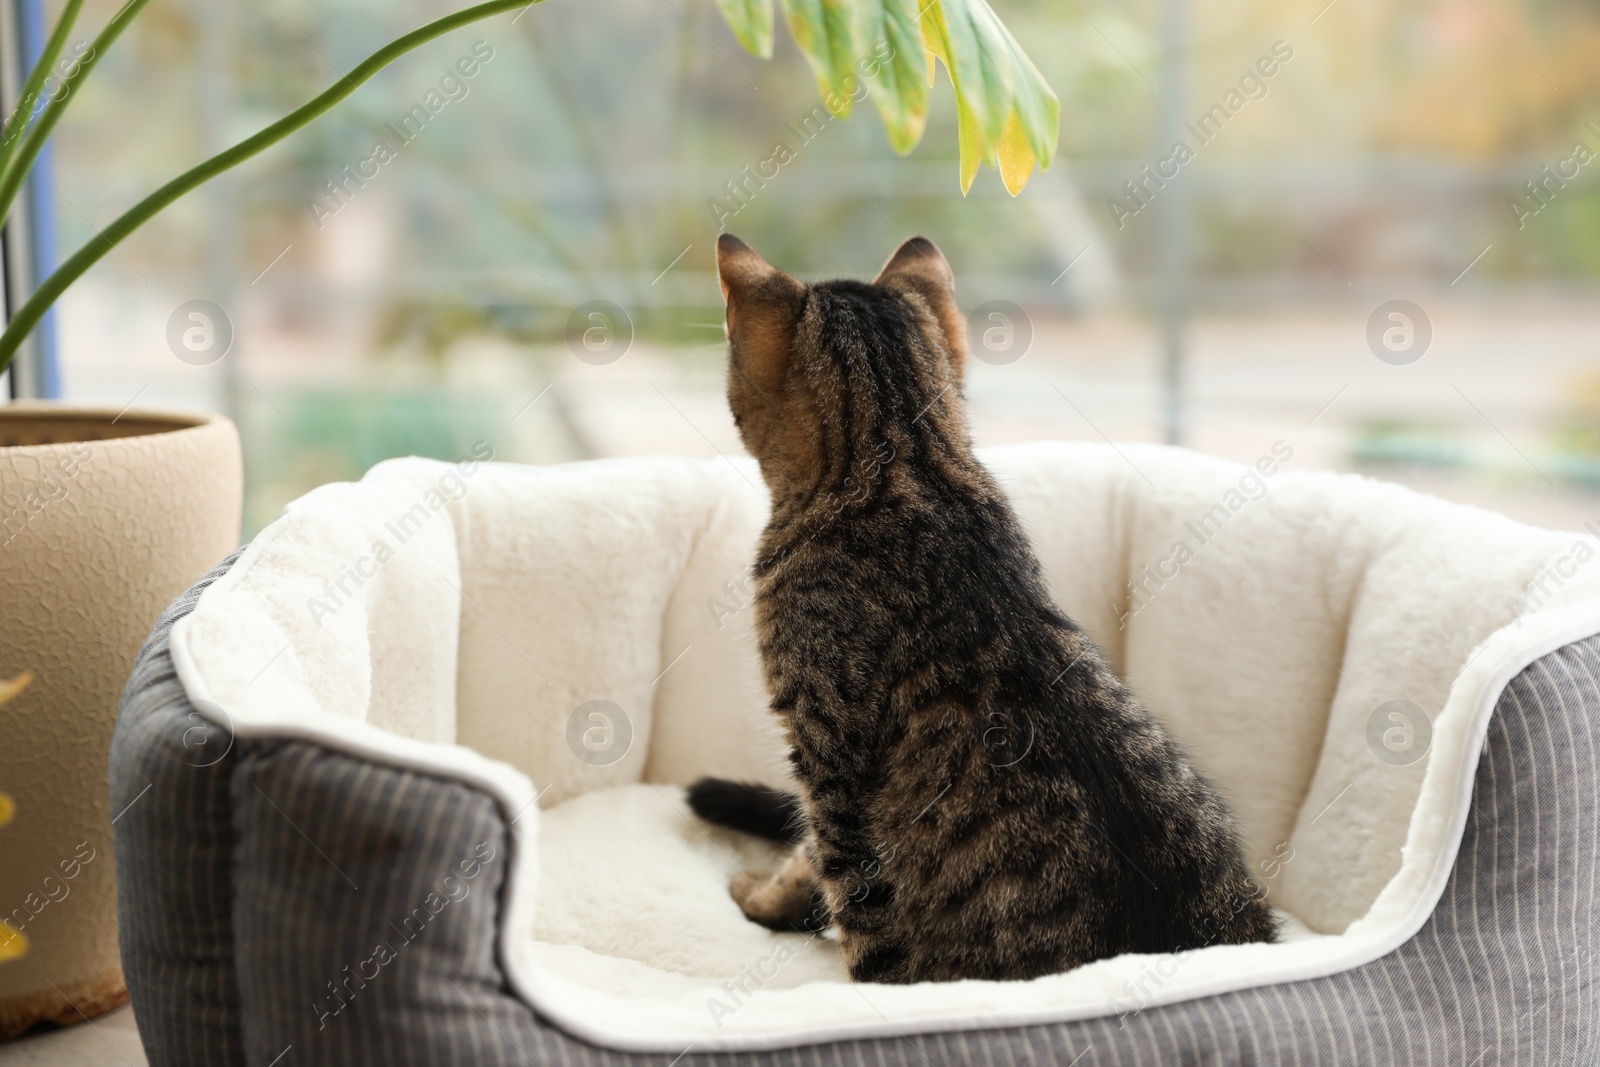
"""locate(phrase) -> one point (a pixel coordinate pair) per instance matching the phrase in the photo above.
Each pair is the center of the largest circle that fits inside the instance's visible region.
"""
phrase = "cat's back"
(947, 526)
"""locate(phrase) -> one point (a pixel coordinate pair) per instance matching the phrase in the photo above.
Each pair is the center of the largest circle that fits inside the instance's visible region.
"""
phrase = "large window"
(1385, 212)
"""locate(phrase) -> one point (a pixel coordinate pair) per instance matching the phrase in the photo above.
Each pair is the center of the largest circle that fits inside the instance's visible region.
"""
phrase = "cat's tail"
(752, 809)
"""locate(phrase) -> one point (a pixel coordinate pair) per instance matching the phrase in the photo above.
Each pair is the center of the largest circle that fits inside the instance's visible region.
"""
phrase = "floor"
(109, 1041)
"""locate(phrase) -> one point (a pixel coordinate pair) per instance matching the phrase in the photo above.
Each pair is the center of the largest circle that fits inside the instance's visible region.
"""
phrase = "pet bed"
(401, 781)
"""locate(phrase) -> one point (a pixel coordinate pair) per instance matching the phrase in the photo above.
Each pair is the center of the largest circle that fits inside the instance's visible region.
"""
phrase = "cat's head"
(830, 381)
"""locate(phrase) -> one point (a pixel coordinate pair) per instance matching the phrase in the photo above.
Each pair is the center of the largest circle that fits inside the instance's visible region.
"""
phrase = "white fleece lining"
(315, 691)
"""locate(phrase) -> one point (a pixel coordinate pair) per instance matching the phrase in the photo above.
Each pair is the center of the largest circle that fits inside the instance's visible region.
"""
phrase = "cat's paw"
(787, 900)
(745, 887)
(765, 899)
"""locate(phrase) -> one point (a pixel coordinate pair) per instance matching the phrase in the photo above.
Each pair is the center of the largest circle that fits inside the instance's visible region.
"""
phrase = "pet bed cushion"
(1328, 648)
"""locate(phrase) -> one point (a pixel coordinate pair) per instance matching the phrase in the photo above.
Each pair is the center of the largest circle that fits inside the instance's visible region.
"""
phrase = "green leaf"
(936, 38)
(26, 317)
(822, 30)
(1006, 113)
(970, 134)
(889, 39)
(751, 22)
(42, 70)
(978, 58)
(1037, 108)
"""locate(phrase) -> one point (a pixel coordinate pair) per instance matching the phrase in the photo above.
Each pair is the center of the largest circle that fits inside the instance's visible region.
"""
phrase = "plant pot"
(104, 518)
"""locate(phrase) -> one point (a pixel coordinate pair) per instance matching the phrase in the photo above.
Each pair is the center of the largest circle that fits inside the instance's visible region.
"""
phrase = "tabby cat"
(979, 795)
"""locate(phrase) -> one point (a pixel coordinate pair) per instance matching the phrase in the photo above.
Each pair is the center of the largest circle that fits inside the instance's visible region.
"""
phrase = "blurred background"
(1384, 253)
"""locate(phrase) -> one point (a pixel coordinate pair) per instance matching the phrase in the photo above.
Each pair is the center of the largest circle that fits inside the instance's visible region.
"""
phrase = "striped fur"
(984, 798)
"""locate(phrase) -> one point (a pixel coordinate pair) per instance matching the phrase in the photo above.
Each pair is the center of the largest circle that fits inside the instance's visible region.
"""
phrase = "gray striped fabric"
(366, 915)
(174, 846)
(324, 858)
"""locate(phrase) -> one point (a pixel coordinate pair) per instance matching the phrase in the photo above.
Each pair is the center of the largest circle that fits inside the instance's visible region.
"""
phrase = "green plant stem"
(20, 118)
(17, 170)
(29, 314)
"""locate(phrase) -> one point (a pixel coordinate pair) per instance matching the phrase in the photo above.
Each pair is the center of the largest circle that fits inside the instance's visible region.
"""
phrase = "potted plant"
(106, 515)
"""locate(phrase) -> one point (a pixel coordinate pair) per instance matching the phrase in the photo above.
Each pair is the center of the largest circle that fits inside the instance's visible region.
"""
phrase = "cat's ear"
(919, 267)
(764, 305)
